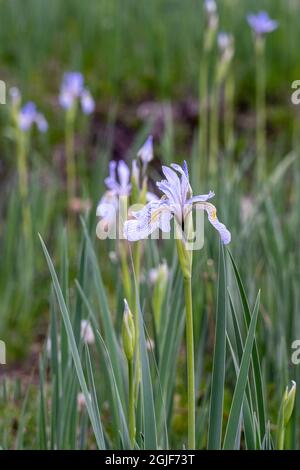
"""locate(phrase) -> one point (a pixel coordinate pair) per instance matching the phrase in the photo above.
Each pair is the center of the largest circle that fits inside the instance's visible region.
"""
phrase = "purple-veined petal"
(174, 182)
(147, 220)
(185, 183)
(200, 198)
(212, 217)
(165, 187)
(165, 219)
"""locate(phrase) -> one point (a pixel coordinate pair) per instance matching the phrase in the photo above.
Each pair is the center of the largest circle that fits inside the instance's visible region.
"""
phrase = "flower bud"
(285, 413)
(128, 332)
(288, 402)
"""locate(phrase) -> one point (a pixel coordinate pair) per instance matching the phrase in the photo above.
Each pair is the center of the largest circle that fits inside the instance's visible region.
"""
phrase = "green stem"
(125, 273)
(203, 114)
(24, 196)
(190, 361)
(131, 403)
(214, 132)
(229, 113)
(70, 152)
(136, 265)
(260, 108)
(23, 184)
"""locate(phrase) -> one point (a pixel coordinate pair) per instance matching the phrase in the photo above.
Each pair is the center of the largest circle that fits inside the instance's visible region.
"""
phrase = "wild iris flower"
(72, 90)
(28, 115)
(177, 202)
(261, 23)
(118, 184)
(224, 41)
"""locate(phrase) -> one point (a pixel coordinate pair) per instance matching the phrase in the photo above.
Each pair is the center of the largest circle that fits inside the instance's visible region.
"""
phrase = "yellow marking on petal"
(212, 210)
(155, 215)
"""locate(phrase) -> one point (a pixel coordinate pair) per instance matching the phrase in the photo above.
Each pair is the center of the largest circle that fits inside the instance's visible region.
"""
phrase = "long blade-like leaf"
(255, 355)
(218, 374)
(238, 396)
(74, 351)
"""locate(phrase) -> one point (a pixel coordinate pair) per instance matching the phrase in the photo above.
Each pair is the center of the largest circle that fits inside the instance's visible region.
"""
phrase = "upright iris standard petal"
(124, 178)
(121, 185)
(73, 82)
(146, 151)
(111, 180)
(261, 23)
(186, 189)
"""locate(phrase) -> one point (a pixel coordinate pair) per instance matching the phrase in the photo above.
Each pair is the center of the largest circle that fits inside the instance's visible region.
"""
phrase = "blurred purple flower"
(210, 6)
(29, 115)
(72, 89)
(146, 151)
(118, 184)
(87, 102)
(176, 202)
(41, 122)
(261, 23)
(224, 40)
(118, 180)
